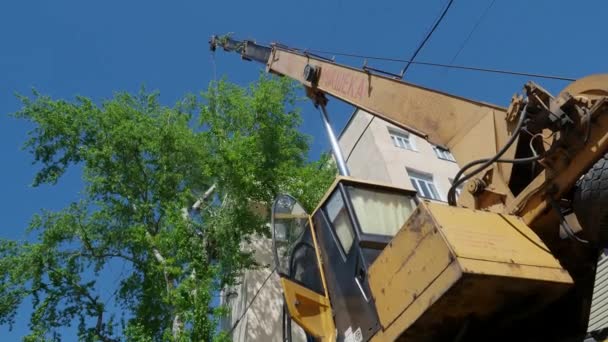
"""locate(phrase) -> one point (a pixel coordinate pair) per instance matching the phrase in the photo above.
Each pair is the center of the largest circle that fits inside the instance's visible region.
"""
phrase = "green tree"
(169, 191)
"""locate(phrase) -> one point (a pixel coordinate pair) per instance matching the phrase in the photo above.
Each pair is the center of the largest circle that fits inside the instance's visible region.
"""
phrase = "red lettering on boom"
(344, 83)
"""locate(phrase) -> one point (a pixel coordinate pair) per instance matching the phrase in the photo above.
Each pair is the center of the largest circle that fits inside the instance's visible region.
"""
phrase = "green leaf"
(143, 164)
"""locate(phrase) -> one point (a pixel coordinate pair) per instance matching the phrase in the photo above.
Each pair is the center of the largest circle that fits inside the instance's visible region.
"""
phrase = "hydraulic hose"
(487, 162)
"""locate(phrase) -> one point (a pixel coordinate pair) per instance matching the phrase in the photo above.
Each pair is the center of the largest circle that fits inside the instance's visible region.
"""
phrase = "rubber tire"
(590, 202)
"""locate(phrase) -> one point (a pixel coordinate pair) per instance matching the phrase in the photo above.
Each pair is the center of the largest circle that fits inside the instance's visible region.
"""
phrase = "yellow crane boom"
(454, 122)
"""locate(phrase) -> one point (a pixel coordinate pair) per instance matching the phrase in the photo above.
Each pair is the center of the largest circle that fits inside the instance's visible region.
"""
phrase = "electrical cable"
(430, 64)
(359, 138)
(531, 143)
(236, 323)
(214, 67)
(564, 224)
(466, 40)
(426, 38)
(486, 162)
(441, 65)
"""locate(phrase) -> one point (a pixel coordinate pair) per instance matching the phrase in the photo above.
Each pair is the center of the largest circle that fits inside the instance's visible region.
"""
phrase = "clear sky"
(94, 48)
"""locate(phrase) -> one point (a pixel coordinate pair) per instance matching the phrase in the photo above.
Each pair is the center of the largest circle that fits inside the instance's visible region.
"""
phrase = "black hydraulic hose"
(486, 162)
(508, 161)
(564, 224)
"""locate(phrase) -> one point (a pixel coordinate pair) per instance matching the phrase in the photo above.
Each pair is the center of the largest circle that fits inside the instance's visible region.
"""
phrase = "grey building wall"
(262, 321)
(373, 155)
(363, 156)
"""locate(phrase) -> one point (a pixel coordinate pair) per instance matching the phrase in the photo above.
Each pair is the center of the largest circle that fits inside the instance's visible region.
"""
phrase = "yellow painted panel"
(319, 258)
(493, 237)
(435, 291)
(515, 271)
(309, 309)
(438, 115)
(414, 258)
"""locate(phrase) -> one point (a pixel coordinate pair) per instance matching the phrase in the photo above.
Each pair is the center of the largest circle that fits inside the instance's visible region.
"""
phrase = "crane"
(483, 266)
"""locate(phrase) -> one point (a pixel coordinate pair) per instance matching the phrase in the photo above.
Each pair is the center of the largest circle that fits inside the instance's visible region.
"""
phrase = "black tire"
(590, 202)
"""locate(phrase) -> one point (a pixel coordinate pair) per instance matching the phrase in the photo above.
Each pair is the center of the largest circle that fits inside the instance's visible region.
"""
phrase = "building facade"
(377, 150)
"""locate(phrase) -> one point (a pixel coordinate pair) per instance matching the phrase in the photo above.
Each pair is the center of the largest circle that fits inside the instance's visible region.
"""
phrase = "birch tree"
(169, 192)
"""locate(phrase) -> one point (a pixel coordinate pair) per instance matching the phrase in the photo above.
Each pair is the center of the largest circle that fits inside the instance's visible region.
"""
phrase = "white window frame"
(443, 154)
(425, 185)
(402, 140)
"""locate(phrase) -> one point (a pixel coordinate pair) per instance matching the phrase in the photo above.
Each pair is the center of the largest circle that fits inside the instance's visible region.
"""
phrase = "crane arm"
(440, 117)
(472, 130)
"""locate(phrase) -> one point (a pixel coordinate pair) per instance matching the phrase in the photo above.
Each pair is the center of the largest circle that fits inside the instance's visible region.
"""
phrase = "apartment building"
(375, 150)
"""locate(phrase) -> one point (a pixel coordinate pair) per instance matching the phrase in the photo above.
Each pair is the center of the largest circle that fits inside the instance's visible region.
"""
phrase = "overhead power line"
(430, 64)
(441, 65)
(236, 323)
(426, 38)
(466, 40)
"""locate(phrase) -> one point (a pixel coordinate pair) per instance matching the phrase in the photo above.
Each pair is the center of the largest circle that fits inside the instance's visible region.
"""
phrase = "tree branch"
(102, 255)
(81, 291)
(99, 329)
(197, 205)
(177, 323)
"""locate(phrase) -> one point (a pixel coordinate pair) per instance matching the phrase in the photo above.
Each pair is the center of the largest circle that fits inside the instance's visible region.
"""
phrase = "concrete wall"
(263, 320)
(362, 154)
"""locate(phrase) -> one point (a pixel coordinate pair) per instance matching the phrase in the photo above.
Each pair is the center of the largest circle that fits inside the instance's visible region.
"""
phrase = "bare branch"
(177, 322)
(102, 255)
(197, 205)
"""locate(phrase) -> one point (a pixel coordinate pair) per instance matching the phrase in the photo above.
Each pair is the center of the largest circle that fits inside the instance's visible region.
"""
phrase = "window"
(423, 183)
(443, 154)
(381, 212)
(402, 140)
(336, 212)
(304, 267)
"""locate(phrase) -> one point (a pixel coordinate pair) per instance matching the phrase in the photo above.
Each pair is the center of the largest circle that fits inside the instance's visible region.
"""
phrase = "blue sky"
(68, 48)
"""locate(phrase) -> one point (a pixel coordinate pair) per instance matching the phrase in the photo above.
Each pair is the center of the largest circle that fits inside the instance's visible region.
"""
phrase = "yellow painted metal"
(407, 266)
(593, 86)
(532, 202)
(427, 298)
(319, 259)
(312, 311)
(493, 237)
(448, 263)
(457, 123)
(454, 122)
(438, 115)
(491, 252)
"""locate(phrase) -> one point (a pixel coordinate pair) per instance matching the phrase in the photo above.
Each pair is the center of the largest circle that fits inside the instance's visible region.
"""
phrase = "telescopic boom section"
(442, 118)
